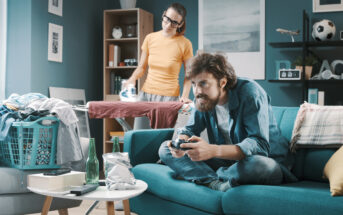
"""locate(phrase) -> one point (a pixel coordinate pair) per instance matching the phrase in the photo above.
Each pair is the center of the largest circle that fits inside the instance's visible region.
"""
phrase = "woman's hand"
(185, 100)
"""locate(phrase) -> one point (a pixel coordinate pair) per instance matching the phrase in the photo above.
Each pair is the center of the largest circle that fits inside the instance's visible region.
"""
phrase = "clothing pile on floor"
(32, 106)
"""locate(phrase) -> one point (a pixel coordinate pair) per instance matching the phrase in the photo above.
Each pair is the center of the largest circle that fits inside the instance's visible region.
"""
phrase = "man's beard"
(208, 105)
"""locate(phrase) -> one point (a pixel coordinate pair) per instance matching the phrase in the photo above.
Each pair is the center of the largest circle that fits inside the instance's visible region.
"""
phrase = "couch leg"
(63, 211)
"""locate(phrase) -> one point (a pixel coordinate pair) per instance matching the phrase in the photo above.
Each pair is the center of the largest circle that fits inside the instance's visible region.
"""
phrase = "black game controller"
(176, 144)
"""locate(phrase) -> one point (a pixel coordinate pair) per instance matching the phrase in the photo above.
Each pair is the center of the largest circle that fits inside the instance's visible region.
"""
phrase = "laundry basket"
(31, 145)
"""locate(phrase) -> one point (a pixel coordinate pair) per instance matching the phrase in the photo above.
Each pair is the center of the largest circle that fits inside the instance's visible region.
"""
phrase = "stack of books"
(316, 97)
(56, 183)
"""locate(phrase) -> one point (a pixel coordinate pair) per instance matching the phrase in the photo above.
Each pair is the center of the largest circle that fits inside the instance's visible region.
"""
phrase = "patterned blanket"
(318, 127)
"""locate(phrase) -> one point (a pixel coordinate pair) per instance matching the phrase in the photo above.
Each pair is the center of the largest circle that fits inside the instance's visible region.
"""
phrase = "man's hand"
(200, 151)
(177, 153)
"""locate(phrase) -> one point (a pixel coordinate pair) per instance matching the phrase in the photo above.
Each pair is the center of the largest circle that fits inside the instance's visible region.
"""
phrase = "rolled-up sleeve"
(256, 125)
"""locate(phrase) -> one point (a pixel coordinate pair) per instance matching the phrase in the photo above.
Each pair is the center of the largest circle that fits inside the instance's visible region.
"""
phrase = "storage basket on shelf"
(31, 145)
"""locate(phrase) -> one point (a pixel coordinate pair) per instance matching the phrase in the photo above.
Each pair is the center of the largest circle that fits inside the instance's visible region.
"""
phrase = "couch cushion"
(162, 184)
(285, 118)
(13, 180)
(314, 162)
(304, 197)
(28, 203)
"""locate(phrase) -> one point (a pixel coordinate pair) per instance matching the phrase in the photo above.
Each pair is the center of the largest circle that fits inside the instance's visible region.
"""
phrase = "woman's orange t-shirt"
(165, 58)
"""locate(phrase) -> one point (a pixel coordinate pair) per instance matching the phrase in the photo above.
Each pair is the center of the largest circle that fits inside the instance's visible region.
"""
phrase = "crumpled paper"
(117, 171)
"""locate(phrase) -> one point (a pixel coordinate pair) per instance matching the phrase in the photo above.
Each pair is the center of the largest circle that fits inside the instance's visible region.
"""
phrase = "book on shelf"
(114, 54)
(115, 83)
(116, 57)
(118, 85)
(313, 95)
(48, 182)
(321, 98)
(111, 55)
(112, 82)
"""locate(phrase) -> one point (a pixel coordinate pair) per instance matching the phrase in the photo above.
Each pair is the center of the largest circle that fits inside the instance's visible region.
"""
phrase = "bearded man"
(245, 144)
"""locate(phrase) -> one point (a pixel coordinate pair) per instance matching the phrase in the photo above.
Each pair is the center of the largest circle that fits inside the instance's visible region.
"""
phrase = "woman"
(164, 52)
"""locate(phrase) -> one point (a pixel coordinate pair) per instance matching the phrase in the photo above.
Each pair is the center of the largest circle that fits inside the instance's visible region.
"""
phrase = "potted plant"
(309, 62)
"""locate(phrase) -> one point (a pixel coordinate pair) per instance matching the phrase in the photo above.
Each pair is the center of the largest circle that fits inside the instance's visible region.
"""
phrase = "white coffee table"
(100, 194)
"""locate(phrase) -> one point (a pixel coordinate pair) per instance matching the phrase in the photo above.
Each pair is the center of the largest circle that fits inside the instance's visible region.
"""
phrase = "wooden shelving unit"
(130, 47)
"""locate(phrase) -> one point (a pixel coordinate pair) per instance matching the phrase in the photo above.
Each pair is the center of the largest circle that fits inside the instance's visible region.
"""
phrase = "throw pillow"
(333, 171)
(318, 127)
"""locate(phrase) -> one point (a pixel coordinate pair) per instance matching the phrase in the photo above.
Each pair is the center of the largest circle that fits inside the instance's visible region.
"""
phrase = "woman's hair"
(216, 64)
(180, 9)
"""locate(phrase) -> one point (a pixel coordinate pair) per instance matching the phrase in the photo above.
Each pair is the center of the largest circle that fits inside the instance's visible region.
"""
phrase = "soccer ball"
(323, 30)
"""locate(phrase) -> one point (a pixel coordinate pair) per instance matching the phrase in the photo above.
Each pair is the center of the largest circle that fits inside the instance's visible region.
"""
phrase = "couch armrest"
(143, 145)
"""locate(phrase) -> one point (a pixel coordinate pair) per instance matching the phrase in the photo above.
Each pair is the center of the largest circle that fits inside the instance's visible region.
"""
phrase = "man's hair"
(180, 9)
(216, 64)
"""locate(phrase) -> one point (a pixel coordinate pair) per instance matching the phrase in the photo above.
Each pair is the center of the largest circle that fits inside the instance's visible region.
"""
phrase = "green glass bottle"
(116, 146)
(92, 164)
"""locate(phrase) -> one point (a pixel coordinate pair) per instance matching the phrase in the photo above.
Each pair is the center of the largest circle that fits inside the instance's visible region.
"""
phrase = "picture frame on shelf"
(319, 6)
(55, 43)
(56, 7)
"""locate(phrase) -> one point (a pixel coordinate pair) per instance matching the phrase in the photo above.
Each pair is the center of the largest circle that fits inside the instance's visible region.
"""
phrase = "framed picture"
(236, 28)
(327, 5)
(55, 7)
(55, 42)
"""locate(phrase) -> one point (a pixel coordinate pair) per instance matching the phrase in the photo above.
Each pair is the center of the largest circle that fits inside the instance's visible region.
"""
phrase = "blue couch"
(166, 195)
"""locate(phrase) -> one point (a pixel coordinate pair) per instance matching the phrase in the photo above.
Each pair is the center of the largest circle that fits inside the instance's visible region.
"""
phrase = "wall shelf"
(307, 44)
(307, 48)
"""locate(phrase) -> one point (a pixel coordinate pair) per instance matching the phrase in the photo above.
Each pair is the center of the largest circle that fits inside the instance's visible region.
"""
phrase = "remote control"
(83, 189)
(57, 172)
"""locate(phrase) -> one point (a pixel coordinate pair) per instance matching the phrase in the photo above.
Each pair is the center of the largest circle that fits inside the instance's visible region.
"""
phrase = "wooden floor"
(100, 209)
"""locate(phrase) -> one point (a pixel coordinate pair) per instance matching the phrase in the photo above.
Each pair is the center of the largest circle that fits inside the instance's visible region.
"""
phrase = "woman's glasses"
(173, 23)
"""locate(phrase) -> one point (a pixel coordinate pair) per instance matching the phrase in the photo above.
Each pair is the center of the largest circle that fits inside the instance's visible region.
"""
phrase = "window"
(3, 47)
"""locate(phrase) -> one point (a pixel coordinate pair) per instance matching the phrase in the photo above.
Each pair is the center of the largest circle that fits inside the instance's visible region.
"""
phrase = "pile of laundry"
(32, 106)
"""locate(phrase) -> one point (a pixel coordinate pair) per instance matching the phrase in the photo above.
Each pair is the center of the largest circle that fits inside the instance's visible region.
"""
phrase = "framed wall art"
(55, 42)
(327, 6)
(236, 28)
(56, 7)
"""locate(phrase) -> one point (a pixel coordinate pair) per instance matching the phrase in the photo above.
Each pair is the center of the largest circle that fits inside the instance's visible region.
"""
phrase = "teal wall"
(18, 77)
(28, 68)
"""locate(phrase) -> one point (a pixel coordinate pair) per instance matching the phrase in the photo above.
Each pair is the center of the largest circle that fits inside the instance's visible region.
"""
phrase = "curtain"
(3, 47)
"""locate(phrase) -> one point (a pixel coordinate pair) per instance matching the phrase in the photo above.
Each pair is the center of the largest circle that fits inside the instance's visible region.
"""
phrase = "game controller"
(176, 144)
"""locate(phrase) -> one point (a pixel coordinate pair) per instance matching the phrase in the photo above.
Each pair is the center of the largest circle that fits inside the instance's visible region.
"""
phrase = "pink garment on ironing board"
(160, 114)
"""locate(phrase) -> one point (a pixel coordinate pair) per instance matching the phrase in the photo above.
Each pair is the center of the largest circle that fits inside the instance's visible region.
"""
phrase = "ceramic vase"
(127, 4)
